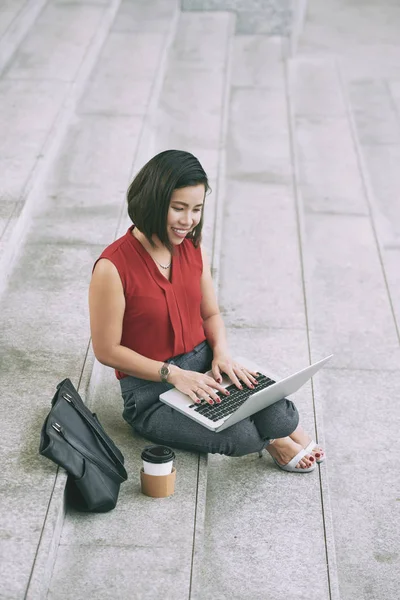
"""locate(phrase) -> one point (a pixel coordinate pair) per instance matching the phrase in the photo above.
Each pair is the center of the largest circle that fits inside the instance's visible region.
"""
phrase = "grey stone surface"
(339, 25)
(375, 115)
(152, 16)
(55, 47)
(120, 86)
(84, 574)
(253, 16)
(258, 62)
(98, 153)
(350, 313)
(213, 29)
(392, 261)
(364, 500)
(9, 11)
(16, 558)
(16, 18)
(256, 553)
(364, 41)
(329, 178)
(381, 161)
(315, 89)
(258, 142)
(27, 115)
(262, 257)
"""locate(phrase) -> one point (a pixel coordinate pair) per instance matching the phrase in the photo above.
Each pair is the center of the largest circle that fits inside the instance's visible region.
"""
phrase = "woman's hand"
(223, 363)
(197, 386)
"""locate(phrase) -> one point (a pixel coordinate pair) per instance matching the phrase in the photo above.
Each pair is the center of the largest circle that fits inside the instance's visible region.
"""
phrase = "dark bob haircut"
(149, 194)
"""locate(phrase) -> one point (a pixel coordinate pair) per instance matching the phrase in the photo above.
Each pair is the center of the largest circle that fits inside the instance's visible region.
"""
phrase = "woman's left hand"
(223, 363)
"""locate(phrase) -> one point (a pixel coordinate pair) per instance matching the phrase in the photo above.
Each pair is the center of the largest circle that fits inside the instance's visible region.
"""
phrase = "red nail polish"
(218, 401)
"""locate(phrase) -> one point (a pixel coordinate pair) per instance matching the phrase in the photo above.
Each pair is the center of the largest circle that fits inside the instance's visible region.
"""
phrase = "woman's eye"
(177, 209)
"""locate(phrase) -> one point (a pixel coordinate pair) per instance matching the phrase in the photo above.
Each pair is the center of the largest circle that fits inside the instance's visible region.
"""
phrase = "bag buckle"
(57, 427)
(67, 397)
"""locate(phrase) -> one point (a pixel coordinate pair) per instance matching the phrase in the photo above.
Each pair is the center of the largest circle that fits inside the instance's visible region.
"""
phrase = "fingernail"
(252, 386)
(197, 401)
(211, 401)
(219, 379)
(218, 401)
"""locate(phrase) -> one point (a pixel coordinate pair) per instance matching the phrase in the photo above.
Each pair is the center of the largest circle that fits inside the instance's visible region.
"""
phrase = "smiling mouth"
(180, 230)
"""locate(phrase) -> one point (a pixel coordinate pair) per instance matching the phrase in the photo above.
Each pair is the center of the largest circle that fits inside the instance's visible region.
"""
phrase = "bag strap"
(93, 424)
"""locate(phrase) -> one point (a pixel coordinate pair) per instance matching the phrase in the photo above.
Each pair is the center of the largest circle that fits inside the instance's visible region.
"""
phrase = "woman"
(155, 319)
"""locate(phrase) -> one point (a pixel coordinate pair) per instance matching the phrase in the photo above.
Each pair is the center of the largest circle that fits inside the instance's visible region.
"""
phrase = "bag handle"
(93, 424)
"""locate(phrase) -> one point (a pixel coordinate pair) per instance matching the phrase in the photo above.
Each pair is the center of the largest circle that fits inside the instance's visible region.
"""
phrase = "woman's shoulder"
(187, 247)
(115, 246)
(190, 254)
(120, 253)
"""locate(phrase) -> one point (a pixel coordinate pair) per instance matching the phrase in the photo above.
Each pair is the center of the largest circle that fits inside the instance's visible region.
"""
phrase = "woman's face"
(184, 212)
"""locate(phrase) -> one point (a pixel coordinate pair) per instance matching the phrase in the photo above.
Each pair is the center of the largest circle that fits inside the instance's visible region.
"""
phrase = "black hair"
(149, 194)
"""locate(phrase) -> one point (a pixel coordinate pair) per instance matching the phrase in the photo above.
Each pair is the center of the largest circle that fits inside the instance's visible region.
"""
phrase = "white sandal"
(291, 465)
(311, 447)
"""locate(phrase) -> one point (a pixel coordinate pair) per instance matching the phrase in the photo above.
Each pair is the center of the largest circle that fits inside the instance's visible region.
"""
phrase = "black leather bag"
(73, 438)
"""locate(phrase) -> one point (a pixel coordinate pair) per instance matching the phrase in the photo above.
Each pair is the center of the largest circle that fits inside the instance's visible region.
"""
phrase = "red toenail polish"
(311, 458)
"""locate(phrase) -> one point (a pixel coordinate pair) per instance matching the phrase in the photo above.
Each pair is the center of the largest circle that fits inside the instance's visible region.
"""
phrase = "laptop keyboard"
(229, 404)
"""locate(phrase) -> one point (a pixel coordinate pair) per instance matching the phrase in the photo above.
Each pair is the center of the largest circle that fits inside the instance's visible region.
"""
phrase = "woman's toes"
(306, 462)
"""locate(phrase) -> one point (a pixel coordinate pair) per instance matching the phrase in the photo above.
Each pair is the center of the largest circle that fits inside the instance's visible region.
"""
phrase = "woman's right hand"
(197, 386)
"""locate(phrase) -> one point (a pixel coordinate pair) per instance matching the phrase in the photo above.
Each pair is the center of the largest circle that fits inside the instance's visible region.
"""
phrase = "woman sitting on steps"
(152, 301)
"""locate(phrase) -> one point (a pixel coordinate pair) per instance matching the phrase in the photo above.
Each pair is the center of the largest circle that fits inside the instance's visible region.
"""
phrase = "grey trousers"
(161, 424)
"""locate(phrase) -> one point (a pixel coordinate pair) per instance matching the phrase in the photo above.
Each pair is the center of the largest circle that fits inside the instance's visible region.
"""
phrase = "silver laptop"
(241, 403)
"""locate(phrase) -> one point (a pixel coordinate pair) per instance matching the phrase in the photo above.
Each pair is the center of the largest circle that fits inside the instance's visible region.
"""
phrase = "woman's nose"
(185, 219)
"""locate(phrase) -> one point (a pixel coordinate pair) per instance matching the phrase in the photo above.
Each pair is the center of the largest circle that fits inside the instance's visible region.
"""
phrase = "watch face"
(164, 371)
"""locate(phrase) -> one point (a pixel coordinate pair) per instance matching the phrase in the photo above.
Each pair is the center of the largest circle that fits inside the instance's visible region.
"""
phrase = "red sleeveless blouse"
(162, 318)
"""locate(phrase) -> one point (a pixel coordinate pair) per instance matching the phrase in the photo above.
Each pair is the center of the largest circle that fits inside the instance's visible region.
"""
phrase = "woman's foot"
(284, 449)
(301, 437)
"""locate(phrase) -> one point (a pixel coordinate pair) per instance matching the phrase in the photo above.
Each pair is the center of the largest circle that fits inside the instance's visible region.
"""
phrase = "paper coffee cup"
(157, 460)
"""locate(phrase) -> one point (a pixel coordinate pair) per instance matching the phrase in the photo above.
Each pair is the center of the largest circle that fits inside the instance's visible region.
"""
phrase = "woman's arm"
(107, 308)
(214, 329)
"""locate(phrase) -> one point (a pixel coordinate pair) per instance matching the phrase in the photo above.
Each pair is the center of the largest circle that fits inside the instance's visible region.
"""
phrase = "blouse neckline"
(151, 265)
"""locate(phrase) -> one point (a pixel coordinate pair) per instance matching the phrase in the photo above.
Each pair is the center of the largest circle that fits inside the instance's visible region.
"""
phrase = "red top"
(162, 318)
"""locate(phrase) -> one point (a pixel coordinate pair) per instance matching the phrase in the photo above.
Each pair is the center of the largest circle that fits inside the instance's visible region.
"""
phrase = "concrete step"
(16, 19)
(255, 514)
(374, 109)
(48, 339)
(39, 90)
(158, 535)
(350, 304)
(191, 110)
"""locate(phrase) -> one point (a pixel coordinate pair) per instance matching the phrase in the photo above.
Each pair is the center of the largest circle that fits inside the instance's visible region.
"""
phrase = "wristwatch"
(164, 372)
